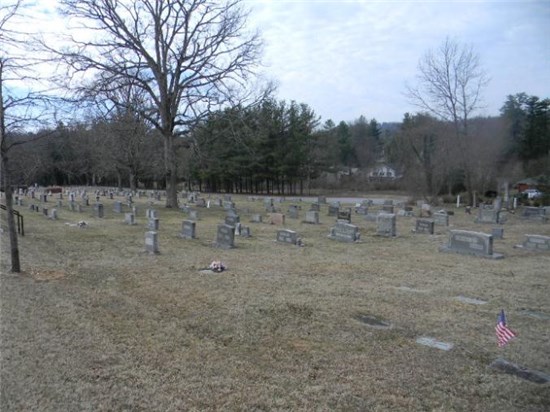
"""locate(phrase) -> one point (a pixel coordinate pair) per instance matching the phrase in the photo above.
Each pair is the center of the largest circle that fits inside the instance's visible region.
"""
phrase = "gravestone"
(510, 368)
(434, 343)
(322, 200)
(315, 207)
(44, 198)
(441, 218)
(193, 215)
(129, 219)
(537, 242)
(497, 203)
(293, 211)
(72, 205)
(227, 198)
(256, 218)
(188, 229)
(31, 207)
(534, 213)
(389, 209)
(201, 202)
(425, 210)
(388, 202)
(371, 217)
(59, 203)
(287, 236)
(312, 217)
(151, 242)
(497, 232)
(471, 243)
(386, 225)
(79, 208)
(225, 237)
(53, 214)
(470, 301)
(99, 212)
(276, 219)
(344, 215)
(333, 209)
(227, 204)
(151, 214)
(245, 231)
(362, 209)
(232, 220)
(488, 215)
(425, 226)
(268, 204)
(117, 207)
(231, 212)
(344, 232)
(153, 223)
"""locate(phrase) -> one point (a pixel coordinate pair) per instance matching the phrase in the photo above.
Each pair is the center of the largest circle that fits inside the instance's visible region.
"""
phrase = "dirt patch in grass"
(97, 324)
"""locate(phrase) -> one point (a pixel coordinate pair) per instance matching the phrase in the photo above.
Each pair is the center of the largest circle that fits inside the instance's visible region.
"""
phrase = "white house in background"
(383, 171)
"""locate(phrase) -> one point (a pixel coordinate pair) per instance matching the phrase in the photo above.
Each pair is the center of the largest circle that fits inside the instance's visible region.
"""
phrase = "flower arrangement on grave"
(217, 266)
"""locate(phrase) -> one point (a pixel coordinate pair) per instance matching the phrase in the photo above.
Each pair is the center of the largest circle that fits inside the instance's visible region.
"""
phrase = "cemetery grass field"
(94, 323)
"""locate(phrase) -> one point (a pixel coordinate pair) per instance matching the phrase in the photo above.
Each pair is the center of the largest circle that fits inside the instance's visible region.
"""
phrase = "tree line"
(282, 148)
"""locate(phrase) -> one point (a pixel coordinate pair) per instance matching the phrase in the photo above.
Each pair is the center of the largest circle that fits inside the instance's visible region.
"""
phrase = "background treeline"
(282, 147)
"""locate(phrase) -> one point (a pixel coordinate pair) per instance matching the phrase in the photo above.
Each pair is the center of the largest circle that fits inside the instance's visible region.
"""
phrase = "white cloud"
(350, 58)
(347, 58)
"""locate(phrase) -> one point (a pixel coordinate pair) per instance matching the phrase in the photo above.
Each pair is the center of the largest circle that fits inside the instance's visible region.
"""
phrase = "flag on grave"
(504, 335)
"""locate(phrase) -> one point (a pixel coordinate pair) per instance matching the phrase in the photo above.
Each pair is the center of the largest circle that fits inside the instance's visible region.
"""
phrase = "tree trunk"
(12, 229)
(132, 181)
(170, 172)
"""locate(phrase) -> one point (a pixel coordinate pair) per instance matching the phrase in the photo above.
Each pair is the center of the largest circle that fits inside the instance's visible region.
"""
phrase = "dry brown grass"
(97, 324)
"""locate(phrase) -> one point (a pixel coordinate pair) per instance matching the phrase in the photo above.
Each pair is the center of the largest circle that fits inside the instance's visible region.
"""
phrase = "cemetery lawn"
(94, 323)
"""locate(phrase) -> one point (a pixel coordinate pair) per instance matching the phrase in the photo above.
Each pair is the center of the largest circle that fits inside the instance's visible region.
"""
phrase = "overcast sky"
(350, 58)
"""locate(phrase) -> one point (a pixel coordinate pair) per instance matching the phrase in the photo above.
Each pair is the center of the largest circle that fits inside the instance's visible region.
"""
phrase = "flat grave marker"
(510, 368)
(434, 343)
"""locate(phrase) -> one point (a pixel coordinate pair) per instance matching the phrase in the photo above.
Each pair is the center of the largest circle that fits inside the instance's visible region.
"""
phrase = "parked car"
(532, 193)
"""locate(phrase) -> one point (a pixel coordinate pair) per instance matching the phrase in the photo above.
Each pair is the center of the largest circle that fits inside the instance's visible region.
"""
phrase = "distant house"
(529, 183)
(383, 171)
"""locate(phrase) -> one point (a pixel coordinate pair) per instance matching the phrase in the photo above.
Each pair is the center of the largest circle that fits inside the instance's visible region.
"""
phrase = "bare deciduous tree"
(186, 55)
(450, 82)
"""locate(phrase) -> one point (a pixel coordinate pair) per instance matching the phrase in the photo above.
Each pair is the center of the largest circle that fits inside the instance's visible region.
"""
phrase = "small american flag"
(504, 335)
